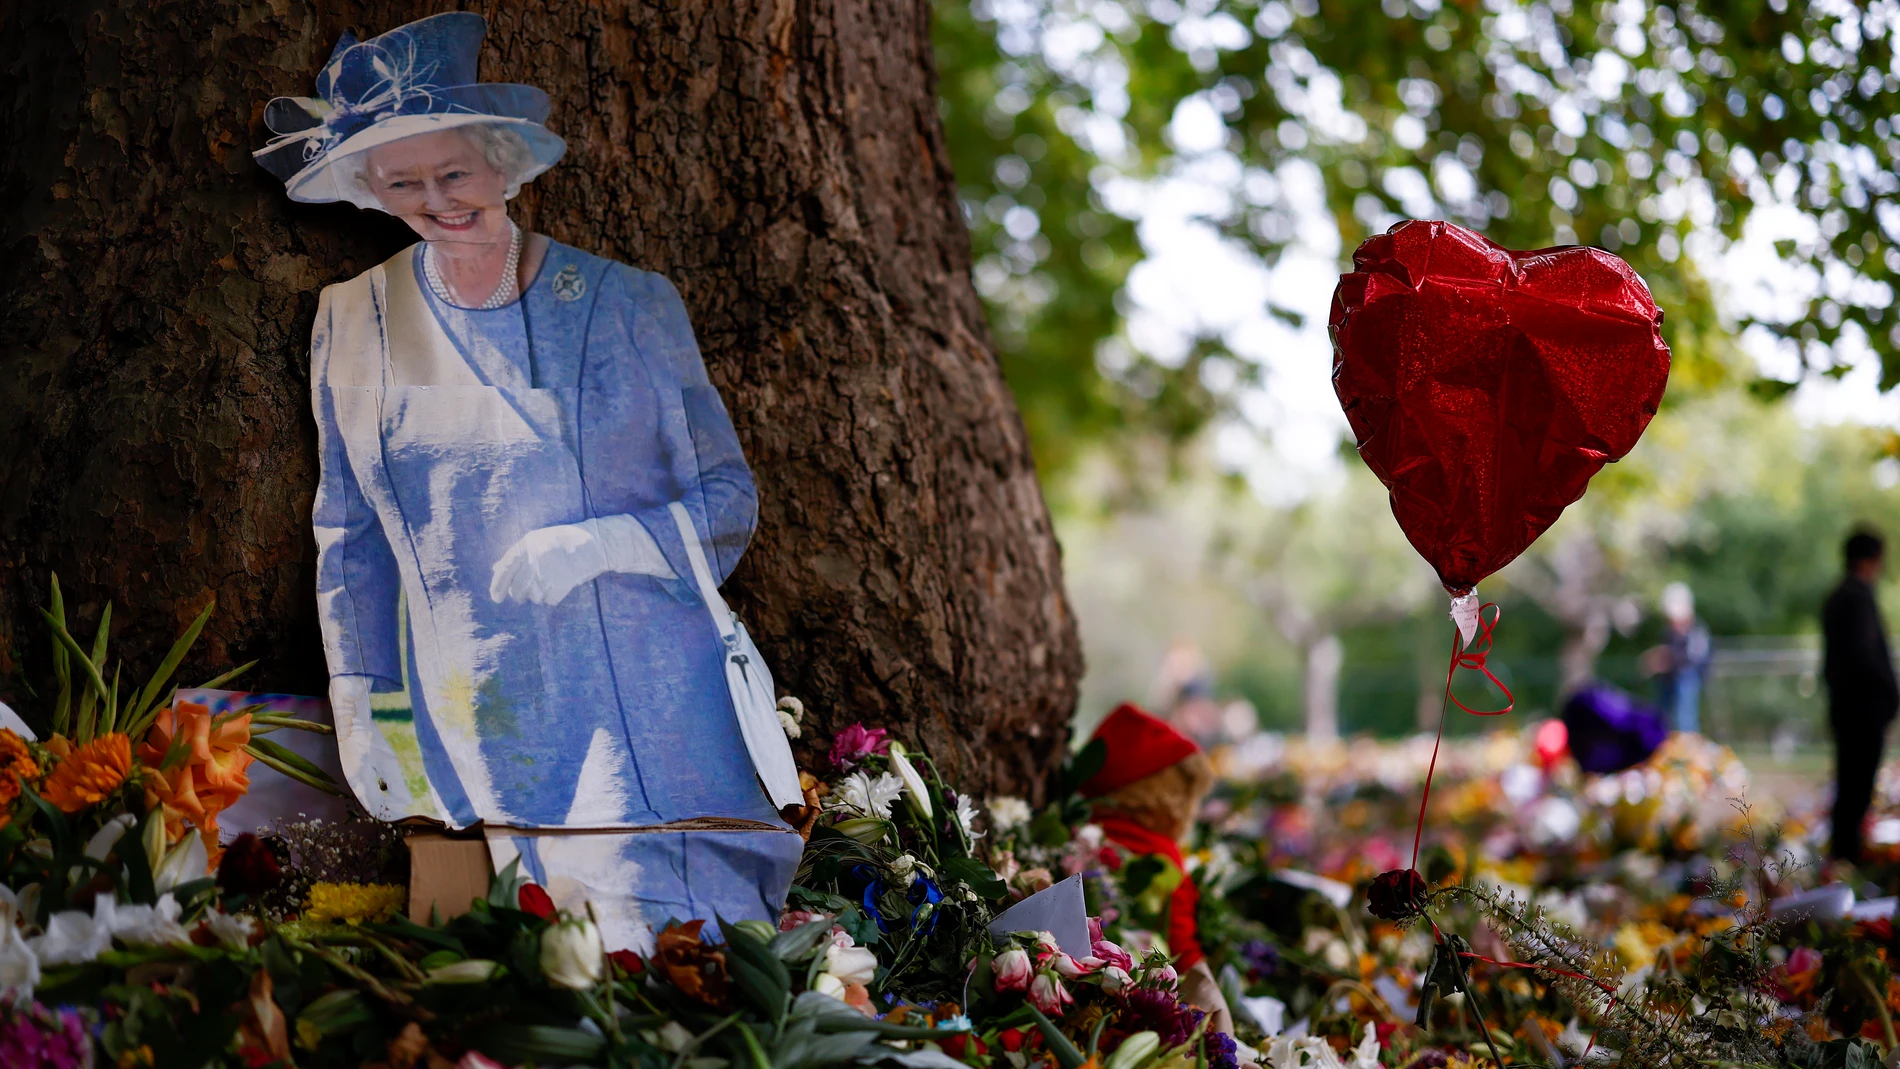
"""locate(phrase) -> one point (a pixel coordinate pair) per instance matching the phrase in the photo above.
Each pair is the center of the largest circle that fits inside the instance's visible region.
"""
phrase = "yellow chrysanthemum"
(90, 774)
(352, 903)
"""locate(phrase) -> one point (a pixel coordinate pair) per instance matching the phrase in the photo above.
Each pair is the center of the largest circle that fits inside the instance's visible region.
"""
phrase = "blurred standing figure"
(1682, 660)
(1861, 692)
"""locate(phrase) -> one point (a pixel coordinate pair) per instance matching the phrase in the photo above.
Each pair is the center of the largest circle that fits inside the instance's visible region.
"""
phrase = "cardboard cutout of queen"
(521, 458)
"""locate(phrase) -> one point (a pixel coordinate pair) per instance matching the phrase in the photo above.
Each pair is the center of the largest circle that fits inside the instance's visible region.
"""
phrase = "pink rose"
(1112, 954)
(1047, 994)
(1164, 977)
(795, 918)
(857, 742)
(1012, 969)
(1115, 979)
(1070, 969)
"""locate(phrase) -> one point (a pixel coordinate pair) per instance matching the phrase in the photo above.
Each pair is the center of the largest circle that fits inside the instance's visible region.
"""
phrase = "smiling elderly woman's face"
(442, 185)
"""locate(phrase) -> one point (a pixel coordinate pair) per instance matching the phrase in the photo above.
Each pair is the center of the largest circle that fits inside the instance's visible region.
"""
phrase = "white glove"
(547, 564)
(370, 766)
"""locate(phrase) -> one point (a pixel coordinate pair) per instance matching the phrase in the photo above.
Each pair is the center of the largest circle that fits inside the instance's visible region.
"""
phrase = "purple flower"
(35, 1037)
(857, 742)
(1160, 1012)
(1261, 957)
(1221, 1053)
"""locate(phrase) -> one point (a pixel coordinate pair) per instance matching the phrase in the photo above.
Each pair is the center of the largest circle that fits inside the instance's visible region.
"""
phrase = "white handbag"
(750, 681)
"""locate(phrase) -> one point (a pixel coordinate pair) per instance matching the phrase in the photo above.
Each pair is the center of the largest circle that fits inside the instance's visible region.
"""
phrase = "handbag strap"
(702, 574)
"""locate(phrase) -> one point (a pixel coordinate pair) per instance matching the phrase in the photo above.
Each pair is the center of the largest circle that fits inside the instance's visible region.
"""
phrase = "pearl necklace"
(504, 290)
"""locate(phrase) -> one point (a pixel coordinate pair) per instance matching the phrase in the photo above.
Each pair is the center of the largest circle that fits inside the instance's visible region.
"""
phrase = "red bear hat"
(1139, 745)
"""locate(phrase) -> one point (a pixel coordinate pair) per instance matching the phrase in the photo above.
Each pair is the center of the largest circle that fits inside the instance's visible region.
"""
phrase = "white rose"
(572, 955)
(851, 965)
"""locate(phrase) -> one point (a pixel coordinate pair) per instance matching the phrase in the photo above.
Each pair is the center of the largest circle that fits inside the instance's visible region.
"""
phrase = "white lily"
(74, 937)
(966, 817)
(234, 931)
(183, 863)
(913, 783)
(19, 965)
(154, 925)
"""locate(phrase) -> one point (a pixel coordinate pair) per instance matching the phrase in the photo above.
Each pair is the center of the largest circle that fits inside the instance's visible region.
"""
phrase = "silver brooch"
(568, 283)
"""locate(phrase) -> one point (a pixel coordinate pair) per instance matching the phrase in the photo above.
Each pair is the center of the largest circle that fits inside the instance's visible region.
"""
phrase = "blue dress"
(447, 435)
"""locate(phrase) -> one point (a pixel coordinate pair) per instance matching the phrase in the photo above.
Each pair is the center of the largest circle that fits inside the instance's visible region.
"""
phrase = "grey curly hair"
(502, 146)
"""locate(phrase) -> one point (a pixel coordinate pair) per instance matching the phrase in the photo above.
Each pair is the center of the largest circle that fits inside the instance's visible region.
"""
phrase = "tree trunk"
(780, 160)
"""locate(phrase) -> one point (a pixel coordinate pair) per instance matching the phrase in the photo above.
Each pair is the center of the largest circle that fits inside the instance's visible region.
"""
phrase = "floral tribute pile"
(129, 937)
(1646, 918)
(1642, 919)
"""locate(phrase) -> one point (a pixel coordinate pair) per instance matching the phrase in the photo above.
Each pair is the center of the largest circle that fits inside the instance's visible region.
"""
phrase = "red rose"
(533, 899)
(248, 867)
(1397, 895)
(1011, 1039)
(627, 962)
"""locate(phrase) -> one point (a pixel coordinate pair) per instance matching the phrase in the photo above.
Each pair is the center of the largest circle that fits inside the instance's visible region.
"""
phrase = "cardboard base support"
(446, 874)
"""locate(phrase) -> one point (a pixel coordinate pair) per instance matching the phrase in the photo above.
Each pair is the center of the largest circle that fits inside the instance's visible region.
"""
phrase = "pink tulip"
(1012, 969)
(1047, 994)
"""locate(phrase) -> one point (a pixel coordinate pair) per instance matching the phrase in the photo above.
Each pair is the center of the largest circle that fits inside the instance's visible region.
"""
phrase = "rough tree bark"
(780, 160)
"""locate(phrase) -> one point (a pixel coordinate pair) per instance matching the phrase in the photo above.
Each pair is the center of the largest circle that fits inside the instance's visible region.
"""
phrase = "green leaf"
(294, 765)
(514, 1043)
(148, 697)
(981, 878)
(505, 889)
(138, 868)
(62, 667)
(1084, 765)
(219, 681)
(758, 972)
(860, 927)
(1067, 1056)
(796, 944)
(329, 1014)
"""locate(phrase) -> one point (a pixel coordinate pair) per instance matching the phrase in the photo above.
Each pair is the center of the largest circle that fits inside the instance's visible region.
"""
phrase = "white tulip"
(851, 965)
(572, 955)
(826, 984)
(472, 971)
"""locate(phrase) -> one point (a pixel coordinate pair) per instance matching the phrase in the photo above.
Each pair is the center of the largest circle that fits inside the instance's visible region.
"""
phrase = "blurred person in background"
(1861, 692)
(1682, 659)
(1184, 686)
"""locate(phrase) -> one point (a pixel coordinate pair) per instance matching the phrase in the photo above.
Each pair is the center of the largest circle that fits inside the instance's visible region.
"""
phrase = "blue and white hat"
(415, 79)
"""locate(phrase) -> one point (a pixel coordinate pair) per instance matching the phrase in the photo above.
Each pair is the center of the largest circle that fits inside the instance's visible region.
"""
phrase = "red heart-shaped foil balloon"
(1486, 386)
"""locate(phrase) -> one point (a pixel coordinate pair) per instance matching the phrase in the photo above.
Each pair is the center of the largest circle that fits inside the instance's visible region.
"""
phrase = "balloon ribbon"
(1470, 658)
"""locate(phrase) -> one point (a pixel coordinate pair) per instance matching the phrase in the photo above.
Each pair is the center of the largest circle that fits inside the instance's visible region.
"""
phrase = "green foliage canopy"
(1651, 128)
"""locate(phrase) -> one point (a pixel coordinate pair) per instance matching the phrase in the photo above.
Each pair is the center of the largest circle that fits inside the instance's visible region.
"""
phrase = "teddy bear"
(1144, 798)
